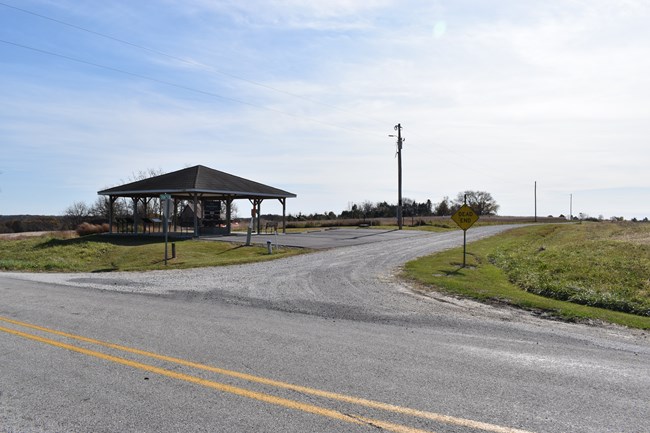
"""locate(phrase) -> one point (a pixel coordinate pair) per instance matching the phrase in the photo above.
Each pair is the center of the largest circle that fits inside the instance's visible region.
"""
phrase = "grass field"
(96, 253)
(574, 271)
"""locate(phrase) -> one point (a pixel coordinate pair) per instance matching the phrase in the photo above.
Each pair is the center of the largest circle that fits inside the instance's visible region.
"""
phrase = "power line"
(176, 85)
(225, 98)
(177, 58)
(204, 66)
(221, 72)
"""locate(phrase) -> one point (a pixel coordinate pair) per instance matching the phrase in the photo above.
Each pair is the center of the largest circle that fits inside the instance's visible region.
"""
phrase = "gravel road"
(354, 283)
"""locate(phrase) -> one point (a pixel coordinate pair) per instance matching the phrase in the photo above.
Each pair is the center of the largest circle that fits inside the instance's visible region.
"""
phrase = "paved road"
(335, 321)
(321, 239)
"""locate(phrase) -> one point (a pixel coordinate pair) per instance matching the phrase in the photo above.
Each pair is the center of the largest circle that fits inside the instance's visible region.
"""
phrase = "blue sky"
(302, 95)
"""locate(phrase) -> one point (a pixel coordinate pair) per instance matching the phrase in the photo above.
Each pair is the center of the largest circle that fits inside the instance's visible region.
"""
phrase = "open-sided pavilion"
(200, 186)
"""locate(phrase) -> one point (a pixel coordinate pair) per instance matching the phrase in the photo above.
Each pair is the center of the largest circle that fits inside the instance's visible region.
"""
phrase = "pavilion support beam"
(111, 209)
(175, 214)
(255, 213)
(229, 201)
(145, 213)
(195, 198)
(135, 214)
(259, 216)
(284, 214)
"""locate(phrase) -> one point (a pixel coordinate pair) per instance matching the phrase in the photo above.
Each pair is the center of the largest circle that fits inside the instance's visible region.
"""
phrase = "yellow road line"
(266, 398)
(446, 419)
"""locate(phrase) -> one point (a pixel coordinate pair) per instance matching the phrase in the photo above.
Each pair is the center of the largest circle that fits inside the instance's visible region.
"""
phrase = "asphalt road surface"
(324, 342)
(321, 239)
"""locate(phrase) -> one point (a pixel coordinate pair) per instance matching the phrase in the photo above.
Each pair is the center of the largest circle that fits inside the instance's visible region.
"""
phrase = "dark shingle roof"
(197, 180)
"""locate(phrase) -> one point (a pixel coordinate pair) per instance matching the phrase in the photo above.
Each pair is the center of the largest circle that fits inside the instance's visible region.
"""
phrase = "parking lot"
(322, 239)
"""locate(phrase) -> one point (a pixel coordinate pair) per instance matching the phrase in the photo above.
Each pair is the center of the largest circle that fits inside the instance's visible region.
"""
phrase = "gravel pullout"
(351, 282)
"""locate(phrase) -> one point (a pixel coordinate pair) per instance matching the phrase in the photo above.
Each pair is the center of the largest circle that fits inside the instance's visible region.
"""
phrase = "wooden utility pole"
(398, 128)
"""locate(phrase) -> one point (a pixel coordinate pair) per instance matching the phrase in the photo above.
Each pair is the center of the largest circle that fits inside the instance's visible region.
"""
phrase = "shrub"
(84, 229)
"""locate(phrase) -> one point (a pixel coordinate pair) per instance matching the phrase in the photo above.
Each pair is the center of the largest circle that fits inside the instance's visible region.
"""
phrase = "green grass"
(96, 253)
(587, 271)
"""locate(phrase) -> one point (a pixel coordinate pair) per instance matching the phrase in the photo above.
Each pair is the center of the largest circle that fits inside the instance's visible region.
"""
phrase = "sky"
(303, 95)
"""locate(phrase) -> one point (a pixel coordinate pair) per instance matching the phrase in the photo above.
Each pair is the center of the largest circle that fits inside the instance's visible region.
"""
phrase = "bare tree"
(233, 210)
(76, 213)
(101, 208)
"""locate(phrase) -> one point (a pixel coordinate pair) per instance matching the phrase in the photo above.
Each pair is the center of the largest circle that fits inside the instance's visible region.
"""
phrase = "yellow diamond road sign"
(465, 217)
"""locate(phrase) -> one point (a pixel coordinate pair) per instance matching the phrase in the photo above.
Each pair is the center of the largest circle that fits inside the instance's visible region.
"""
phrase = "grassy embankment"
(96, 253)
(585, 271)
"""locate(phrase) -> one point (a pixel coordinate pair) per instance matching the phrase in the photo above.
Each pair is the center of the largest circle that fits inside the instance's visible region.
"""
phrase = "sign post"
(166, 201)
(464, 217)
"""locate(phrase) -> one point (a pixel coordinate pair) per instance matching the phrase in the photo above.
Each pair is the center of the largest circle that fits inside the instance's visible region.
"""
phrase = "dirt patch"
(25, 235)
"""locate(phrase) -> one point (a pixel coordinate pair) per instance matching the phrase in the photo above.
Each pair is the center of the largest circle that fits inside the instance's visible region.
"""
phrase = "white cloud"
(491, 98)
(296, 14)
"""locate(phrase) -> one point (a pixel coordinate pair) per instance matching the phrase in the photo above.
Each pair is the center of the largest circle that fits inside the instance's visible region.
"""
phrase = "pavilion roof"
(198, 180)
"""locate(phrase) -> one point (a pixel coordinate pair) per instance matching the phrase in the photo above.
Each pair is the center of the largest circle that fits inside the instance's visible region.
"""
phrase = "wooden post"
(111, 202)
(284, 214)
(228, 215)
(259, 214)
(135, 215)
(196, 216)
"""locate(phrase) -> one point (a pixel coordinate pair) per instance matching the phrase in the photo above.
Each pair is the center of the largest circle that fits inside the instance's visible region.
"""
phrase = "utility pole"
(398, 128)
(570, 207)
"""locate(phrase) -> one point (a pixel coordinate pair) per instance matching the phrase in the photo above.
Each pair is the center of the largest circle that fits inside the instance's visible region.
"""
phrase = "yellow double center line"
(267, 398)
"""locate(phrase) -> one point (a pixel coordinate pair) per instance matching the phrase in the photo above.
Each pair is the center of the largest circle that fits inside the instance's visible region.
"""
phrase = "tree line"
(480, 201)
(98, 212)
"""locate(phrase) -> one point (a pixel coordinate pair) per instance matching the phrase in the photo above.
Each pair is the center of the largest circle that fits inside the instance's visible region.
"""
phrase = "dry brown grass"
(634, 233)
(91, 229)
(65, 234)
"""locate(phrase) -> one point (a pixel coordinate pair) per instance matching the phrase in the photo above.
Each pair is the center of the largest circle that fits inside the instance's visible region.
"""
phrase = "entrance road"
(336, 320)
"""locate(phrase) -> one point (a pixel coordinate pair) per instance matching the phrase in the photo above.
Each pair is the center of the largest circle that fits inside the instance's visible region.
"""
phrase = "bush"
(84, 229)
